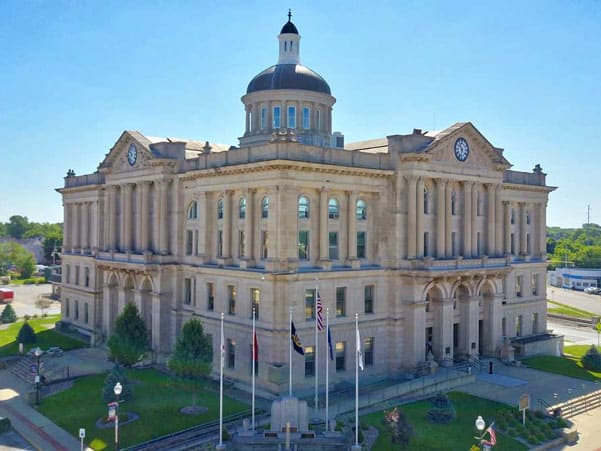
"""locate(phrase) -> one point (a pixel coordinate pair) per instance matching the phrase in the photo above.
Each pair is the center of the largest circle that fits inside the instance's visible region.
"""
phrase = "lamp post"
(118, 389)
(37, 352)
(481, 425)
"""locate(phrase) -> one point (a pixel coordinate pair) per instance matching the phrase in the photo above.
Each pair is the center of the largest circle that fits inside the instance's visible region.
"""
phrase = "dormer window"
(291, 117)
(276, 117)
(306, 118)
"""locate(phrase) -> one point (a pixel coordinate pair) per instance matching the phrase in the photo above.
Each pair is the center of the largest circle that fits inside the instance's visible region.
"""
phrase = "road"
(589, 302)
(25, 297)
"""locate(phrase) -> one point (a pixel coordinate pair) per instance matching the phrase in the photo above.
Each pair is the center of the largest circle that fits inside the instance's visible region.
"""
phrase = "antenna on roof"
(289, 15)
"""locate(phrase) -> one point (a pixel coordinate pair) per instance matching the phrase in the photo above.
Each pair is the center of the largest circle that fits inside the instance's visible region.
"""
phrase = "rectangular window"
(454, 244)
(210, 296)
(309, 361)
(478, 244)
(68, 273)
(77, 275)
(512, 244)
(291, 117)
(241, 238)
(504, 327)
(535, 323)
(518, 286)
(67, 308)
(534, 284)
(85, 313)
(220, 243)
(528, 243)
(231, 296)
(361, 245)
(263, 117)
(426, 243)
(518, 326)
(309, 304)
(318, 119)
(306, 118)
(368, 351)
(187, 291)
(196, 242)
(255, 299)
(231, 353)
(276, 117)
(368, 297)
(264, 244)
(333, 245)
(340, 356)
(87, 277)
(340, 301)
(478, 204)
(303, 245)
(189, 242)
(76, 309)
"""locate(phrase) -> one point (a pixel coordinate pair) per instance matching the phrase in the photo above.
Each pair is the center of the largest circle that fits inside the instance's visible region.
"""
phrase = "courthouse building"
(429, 236)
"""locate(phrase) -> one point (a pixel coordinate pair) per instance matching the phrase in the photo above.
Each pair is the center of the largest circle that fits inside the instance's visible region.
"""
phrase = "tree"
(17, 226)
(26, 334)
(53, 241)
(592, 359)
(43, 303)
(129, 340)
(26, 265)
(108, 391)
(8, 315)
(193, 355)
(400, 429)
(13, 254)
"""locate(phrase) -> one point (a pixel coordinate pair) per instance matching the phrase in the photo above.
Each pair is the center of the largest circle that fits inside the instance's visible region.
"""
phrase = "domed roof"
(288, 76)
(289, 27)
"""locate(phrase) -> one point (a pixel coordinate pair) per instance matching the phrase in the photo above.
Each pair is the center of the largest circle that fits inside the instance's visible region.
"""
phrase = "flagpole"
(221, 388)
(357, 381)
(254, 338)
(316, 360)
(290, 358)
(327, 367)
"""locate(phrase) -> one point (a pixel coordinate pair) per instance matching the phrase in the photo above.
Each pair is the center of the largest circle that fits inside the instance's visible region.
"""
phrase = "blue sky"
(75, 74)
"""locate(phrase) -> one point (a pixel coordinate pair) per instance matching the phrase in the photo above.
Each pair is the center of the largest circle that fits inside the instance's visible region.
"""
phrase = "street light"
(485, 445)
(37, 352)
(118, 389)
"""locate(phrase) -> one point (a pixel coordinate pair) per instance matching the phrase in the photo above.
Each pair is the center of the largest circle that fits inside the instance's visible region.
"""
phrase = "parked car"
(592, 290)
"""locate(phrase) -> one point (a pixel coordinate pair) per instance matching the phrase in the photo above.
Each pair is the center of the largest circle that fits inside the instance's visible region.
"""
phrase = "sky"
(75, 74)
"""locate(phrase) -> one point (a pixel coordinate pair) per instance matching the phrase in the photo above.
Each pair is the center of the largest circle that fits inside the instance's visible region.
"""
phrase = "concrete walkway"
(38, 430)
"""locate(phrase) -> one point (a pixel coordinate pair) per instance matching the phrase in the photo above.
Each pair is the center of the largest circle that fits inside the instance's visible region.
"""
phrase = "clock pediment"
(131, 151)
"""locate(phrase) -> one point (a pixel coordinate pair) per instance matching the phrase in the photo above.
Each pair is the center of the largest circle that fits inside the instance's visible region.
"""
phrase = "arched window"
(193, 210)
(453, 203)
(361, 210)
(242, 208)
(303, 207)
(220, 209)
(426, 201)
(428, 300)
(333, 208)
(265, 207)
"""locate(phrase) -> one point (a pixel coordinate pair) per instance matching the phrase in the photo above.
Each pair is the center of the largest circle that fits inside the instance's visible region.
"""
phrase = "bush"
(26, 334)
(26, 317)
(8, 315)
(4, 425)
(592, 359)
(442, 411)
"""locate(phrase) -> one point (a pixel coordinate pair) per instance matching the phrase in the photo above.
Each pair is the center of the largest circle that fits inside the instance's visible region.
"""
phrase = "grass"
(30, 281)
(456, 435)
(155, 398)
(45, 334)
(568, 365)
(563, 309)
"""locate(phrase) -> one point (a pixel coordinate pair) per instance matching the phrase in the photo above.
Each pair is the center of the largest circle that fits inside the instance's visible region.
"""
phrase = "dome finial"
(289, 15)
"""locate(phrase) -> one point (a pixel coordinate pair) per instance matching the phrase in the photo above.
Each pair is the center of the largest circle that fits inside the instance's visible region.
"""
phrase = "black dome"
(289, 28)
(288, 76)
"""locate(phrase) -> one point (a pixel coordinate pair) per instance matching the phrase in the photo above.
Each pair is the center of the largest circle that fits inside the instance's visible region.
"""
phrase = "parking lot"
(25, 297)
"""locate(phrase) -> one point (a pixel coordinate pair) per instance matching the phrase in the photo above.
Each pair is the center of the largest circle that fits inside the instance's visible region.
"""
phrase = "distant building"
(575, 278)
(429, 236)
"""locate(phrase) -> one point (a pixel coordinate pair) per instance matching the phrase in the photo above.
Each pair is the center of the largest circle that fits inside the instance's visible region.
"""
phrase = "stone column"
(227, 224)
(94, 238)
(67, 228)
(143, 216)
(323, 225)
(448, 220)
(499, 224)
(419, 219)
(507, 227)
(247, 110)
(76, 221)
(491, 325)
(164, 218)
(411, 216)
(467, 219)
(112, 213)
(474, 227)
(156, 216)
(126, 220)
(106, 218)
(249, 224)
(440, 217)
(491, 220)
(415, 335)
(523, 228)
(542, 234)
(442, 337)
(352, 225)
(85, 226)
(269, 125)
(469, 325)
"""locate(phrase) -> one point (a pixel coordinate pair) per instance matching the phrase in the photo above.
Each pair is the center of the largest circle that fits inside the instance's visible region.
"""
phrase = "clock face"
(132, 155)
(462, 149)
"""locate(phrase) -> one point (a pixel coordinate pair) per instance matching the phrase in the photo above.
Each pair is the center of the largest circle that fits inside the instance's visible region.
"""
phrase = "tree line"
(578, 247)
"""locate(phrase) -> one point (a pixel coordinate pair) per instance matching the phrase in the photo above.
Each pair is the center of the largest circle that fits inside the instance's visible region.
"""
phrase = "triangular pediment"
(130, 151)
(462, 144)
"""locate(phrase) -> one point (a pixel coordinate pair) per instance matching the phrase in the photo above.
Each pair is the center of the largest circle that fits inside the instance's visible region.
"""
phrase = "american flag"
(493, 436)
(319, 316)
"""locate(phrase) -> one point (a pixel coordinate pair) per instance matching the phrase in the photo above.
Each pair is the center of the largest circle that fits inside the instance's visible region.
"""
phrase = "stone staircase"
(576, 406)
(22, 368)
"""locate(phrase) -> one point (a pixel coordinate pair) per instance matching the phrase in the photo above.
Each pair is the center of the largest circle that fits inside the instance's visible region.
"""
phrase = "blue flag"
(330, 344)
(298, 347)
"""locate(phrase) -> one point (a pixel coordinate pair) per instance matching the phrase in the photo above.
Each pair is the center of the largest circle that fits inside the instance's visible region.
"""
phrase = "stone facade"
(437, 250)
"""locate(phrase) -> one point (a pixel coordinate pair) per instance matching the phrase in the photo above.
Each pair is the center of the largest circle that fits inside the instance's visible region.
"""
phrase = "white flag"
(359, 353)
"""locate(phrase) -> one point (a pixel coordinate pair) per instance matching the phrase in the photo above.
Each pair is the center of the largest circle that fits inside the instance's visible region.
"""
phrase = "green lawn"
(568, 365)
(156, 399)
(45, 333)
(457, 435)
(563, 309)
